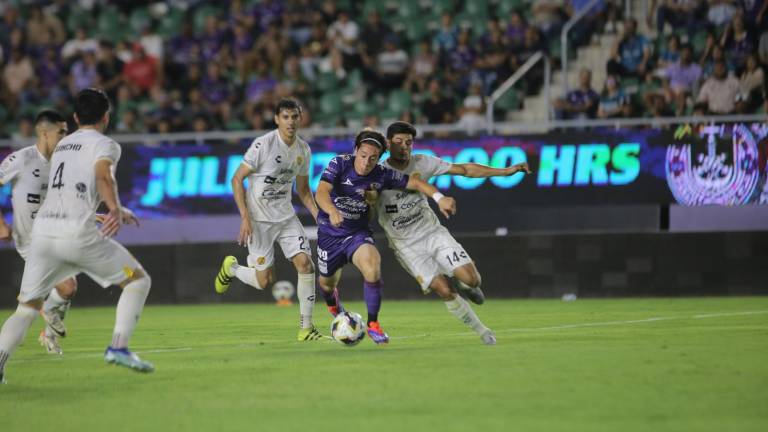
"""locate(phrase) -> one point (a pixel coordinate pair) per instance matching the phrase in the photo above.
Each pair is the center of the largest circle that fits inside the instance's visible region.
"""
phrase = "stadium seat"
(139, 20)
(330, 103)
(326, 81)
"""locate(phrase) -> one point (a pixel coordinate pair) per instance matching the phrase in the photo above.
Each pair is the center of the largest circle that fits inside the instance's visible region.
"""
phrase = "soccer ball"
(348, 328)
(283, 291)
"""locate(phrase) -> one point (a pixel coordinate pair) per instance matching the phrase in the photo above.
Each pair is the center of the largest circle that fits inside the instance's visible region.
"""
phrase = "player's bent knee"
(67, 288)
(138, 275)
(303, 264)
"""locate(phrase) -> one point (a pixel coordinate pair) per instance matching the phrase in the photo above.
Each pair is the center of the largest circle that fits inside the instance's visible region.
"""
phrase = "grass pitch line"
(713, 315)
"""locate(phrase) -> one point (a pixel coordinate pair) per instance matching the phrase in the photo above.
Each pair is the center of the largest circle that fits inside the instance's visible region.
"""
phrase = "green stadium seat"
(331, 103)
(441, 6)
(139, 19)
(170, 24)
(478, 8)
(78, 18)
(504, 8)
(326, 81)
(201, 15)
(509, 101)
(399, 101)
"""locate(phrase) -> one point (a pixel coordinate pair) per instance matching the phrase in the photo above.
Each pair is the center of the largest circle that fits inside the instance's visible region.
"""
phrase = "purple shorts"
(334, 252)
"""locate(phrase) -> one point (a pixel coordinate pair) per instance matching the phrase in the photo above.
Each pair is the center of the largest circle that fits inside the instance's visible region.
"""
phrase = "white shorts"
(52, 260)
(288, 233)
(431, 255)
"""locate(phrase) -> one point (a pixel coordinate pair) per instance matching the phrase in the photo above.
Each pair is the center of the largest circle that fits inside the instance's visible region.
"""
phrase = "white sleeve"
(304, 168)
(11, 167)
(438, 166)
(253, 156)
(109, 150)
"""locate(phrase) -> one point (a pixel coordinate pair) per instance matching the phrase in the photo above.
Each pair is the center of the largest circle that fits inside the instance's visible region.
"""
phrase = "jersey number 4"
(57, 182)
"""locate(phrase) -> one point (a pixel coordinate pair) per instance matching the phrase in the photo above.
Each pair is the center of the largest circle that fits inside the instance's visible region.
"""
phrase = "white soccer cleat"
(54, 322)
(50, 343)
(488, 337)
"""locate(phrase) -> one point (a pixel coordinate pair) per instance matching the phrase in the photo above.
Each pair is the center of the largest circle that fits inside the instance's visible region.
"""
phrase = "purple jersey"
(347, 193)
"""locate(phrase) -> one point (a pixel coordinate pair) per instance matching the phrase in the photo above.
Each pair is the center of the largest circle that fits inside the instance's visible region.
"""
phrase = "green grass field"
(614, 365)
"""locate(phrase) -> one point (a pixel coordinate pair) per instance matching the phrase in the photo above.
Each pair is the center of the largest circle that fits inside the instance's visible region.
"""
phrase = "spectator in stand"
(584, 28)
(580, 103)
(491, 59)
(80, 43)
(676, 13)
(445, 38)
(751, 85)
(142, 71)
(212, 38)
(83, 74)
(25, 135)
(128, 122)
(547, 16)
(681, 79)
(183, 50)
(18, 74)
(215, 87)
(720, 12)
(437, 108)
(472, 112)
(670, 54)
(719, 91)
(152, 42)
(516, 28)
(109, 69)
(762, 48)
(344, 34)
(44, 26)
(613, 102)
(460, 61)
(631, 53)
(714, 53)
(737, 42)
(391, 65)
(49, 71)
(372, 37)
(531, 45)
(422, 68)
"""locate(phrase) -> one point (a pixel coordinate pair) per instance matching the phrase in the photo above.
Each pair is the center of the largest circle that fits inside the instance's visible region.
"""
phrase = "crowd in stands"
(707, 58)
(192, 65)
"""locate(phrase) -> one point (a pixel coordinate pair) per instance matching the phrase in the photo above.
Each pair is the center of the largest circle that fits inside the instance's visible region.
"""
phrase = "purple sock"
(372, 292)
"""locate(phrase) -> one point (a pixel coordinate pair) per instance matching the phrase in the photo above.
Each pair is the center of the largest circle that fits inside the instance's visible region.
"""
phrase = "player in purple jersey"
(344, 233)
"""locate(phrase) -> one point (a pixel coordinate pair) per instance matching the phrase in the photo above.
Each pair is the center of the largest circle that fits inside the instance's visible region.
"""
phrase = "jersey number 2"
(57, 183)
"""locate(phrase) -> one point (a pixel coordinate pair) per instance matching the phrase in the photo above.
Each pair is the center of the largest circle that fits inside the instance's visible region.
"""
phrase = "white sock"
(459, 308)
(305, 290)
(54, 301)
(129, 309)
(247, 275)
(14, 330)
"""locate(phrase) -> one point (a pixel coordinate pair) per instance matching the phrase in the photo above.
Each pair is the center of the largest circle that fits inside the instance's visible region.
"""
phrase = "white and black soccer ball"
(283, 291)
(348, 328)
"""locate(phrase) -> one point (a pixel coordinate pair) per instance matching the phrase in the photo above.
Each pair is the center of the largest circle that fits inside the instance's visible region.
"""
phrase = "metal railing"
(564, 40)
(519, 73)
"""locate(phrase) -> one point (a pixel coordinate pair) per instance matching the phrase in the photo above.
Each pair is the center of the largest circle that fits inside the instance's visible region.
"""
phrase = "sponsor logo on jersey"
(299, 160)
(261, 260)
(347, 182)
(81, 187)
(390, 208)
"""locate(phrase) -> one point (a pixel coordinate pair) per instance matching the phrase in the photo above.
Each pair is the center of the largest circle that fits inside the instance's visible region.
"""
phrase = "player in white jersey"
(66, 241)
(271, 165)
(423, 246)
(27, 171)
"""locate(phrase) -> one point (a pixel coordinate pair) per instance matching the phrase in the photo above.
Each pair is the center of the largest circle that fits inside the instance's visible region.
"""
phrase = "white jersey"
(27, 172)
(275, 165)
(405, 215)
(69, 210)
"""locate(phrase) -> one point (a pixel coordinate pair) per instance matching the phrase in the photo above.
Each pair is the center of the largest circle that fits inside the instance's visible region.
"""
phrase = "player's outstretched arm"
(238, 190)
(305, 195)
(106, 186)
(447, 204)
(323, 198)
(477, 170)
